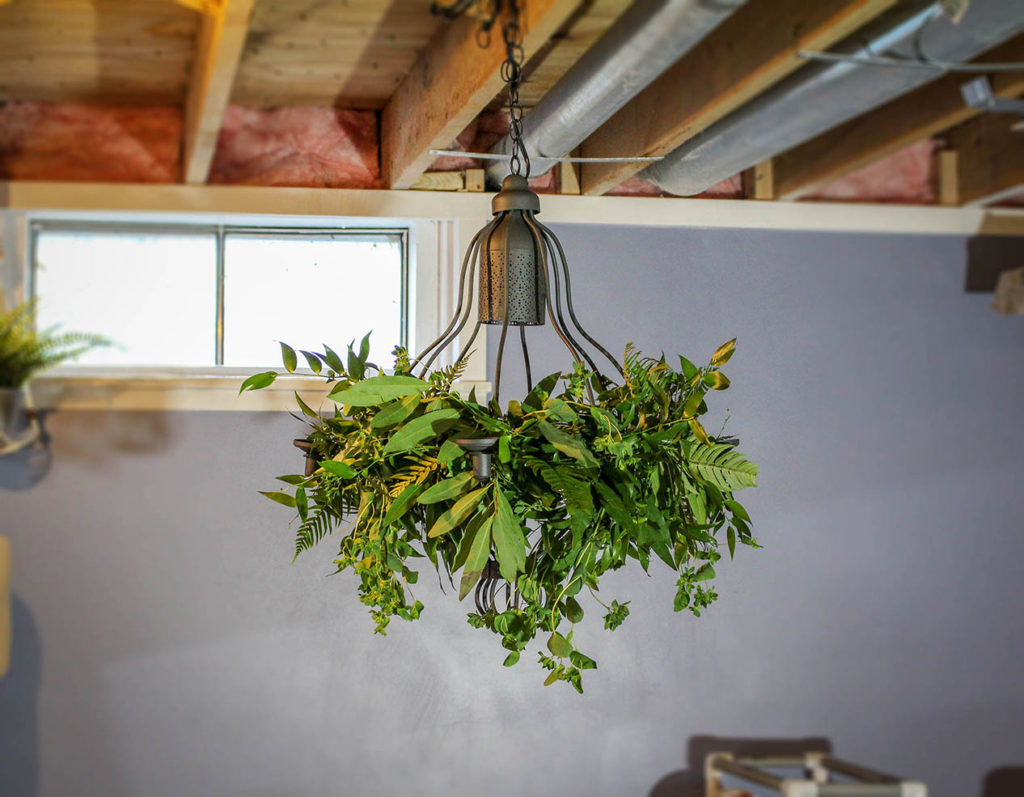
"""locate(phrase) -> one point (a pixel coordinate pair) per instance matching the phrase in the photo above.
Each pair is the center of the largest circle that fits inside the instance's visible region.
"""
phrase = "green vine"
(578, 489)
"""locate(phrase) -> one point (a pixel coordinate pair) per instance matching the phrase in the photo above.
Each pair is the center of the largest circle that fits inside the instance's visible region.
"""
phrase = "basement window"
(207, 298)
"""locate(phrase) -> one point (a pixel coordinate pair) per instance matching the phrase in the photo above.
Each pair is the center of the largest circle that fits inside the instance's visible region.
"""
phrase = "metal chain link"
(511, 67)
(512, 74)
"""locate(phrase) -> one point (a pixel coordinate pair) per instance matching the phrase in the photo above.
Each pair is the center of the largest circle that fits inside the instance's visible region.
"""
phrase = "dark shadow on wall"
(26, 468)
(1004, 782)
(689, 782)
(988, 256)
(19, 694)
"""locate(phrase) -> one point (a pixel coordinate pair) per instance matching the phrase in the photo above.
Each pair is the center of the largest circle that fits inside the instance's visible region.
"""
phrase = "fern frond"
(317, 526)
(414, 474)
(722, 466)
(24, 350)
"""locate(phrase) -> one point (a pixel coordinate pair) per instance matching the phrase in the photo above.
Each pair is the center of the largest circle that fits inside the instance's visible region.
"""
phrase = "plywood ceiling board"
(350, 54)
(96, 51)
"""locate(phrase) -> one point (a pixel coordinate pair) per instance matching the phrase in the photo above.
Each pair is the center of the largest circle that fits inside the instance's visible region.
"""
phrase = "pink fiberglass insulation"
(44, 141)
(907, 175)
(314, 147)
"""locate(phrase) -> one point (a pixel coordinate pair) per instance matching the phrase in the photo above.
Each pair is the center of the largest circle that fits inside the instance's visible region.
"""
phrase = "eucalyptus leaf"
(333, 360)
(282, 498)
(458, 513)
(478, 554)
(377, 390)
(338, 469)
(288, 358)
(723, 353)
(394, 413)
(313, 360)
(447, 489)
(716, 380)
(306, 409)
(509, 540)
(567, 444)
(258, 381)
(420, 430)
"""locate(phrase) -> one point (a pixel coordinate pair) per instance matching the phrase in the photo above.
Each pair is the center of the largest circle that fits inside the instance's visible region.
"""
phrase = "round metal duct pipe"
(822, 95)
(645, 41)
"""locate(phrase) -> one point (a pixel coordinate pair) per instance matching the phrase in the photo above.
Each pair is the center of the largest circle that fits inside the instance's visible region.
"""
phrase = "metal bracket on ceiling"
(978, 93)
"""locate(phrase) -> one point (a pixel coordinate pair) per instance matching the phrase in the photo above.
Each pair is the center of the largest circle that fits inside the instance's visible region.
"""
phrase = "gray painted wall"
(165, 646)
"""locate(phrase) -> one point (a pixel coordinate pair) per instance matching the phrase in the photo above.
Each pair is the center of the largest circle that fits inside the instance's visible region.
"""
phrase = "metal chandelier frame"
(490, 254)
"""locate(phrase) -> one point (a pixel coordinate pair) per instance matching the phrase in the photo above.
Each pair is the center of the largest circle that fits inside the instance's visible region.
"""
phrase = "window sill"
(170, 391)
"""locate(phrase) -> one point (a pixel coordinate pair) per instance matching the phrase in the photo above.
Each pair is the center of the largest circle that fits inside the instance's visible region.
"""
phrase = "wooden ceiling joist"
(753, 49)
(923, 113)
(451, 82)
(219, 45)
(990, 158)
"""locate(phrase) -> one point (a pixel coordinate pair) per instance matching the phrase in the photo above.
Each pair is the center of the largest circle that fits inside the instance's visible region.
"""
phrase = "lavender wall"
(164, 645)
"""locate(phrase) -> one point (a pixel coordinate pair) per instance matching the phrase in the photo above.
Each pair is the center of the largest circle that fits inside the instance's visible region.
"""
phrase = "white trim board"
(557, 209)
(176, 393)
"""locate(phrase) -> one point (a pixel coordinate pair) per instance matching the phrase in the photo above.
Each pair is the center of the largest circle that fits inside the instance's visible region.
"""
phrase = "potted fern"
(24, 352)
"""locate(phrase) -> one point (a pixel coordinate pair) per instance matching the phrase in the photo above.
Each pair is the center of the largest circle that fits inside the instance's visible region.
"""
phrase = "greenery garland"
(587, 476)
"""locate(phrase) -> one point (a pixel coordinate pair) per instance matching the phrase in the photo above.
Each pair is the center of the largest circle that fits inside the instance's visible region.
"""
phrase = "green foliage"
(25, 351)
(580, 486)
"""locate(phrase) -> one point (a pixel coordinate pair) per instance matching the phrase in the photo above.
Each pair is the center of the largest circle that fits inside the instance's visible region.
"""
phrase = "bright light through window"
(155, 292)
(308, 291)
(155, 295)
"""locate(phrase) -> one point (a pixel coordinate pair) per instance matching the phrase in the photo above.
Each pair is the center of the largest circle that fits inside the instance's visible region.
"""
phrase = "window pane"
(153, 294)
(308, 291)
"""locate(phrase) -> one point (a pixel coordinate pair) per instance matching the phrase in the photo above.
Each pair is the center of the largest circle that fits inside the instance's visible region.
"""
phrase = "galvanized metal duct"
(822, 95)
(648, 38)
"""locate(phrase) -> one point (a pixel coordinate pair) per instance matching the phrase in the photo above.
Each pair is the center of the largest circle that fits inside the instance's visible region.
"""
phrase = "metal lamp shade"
(510, 282)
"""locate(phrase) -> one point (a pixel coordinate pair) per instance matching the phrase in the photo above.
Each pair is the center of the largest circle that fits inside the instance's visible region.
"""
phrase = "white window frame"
(430, 249)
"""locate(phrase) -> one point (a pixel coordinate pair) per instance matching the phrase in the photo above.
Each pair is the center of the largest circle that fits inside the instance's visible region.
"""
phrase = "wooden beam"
(949, 177)
(476, 180)
(990, 157)
(569, 175)
(439, 181)
(925, 112)
(753, 49)
(452, 81)
(759, 180)
(219, 47)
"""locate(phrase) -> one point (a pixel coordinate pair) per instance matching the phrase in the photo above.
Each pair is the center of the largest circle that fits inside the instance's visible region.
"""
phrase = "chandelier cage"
(517, 268)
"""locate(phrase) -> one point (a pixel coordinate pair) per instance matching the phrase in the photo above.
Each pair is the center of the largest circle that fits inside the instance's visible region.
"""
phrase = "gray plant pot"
(14, 422)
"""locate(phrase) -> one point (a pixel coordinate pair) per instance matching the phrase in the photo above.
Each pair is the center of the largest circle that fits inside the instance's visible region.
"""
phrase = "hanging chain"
(512, 74)
(511, 67)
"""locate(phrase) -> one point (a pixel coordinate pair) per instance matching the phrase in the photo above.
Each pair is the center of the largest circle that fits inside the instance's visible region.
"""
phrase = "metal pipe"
(645, 41)
(822, 95)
